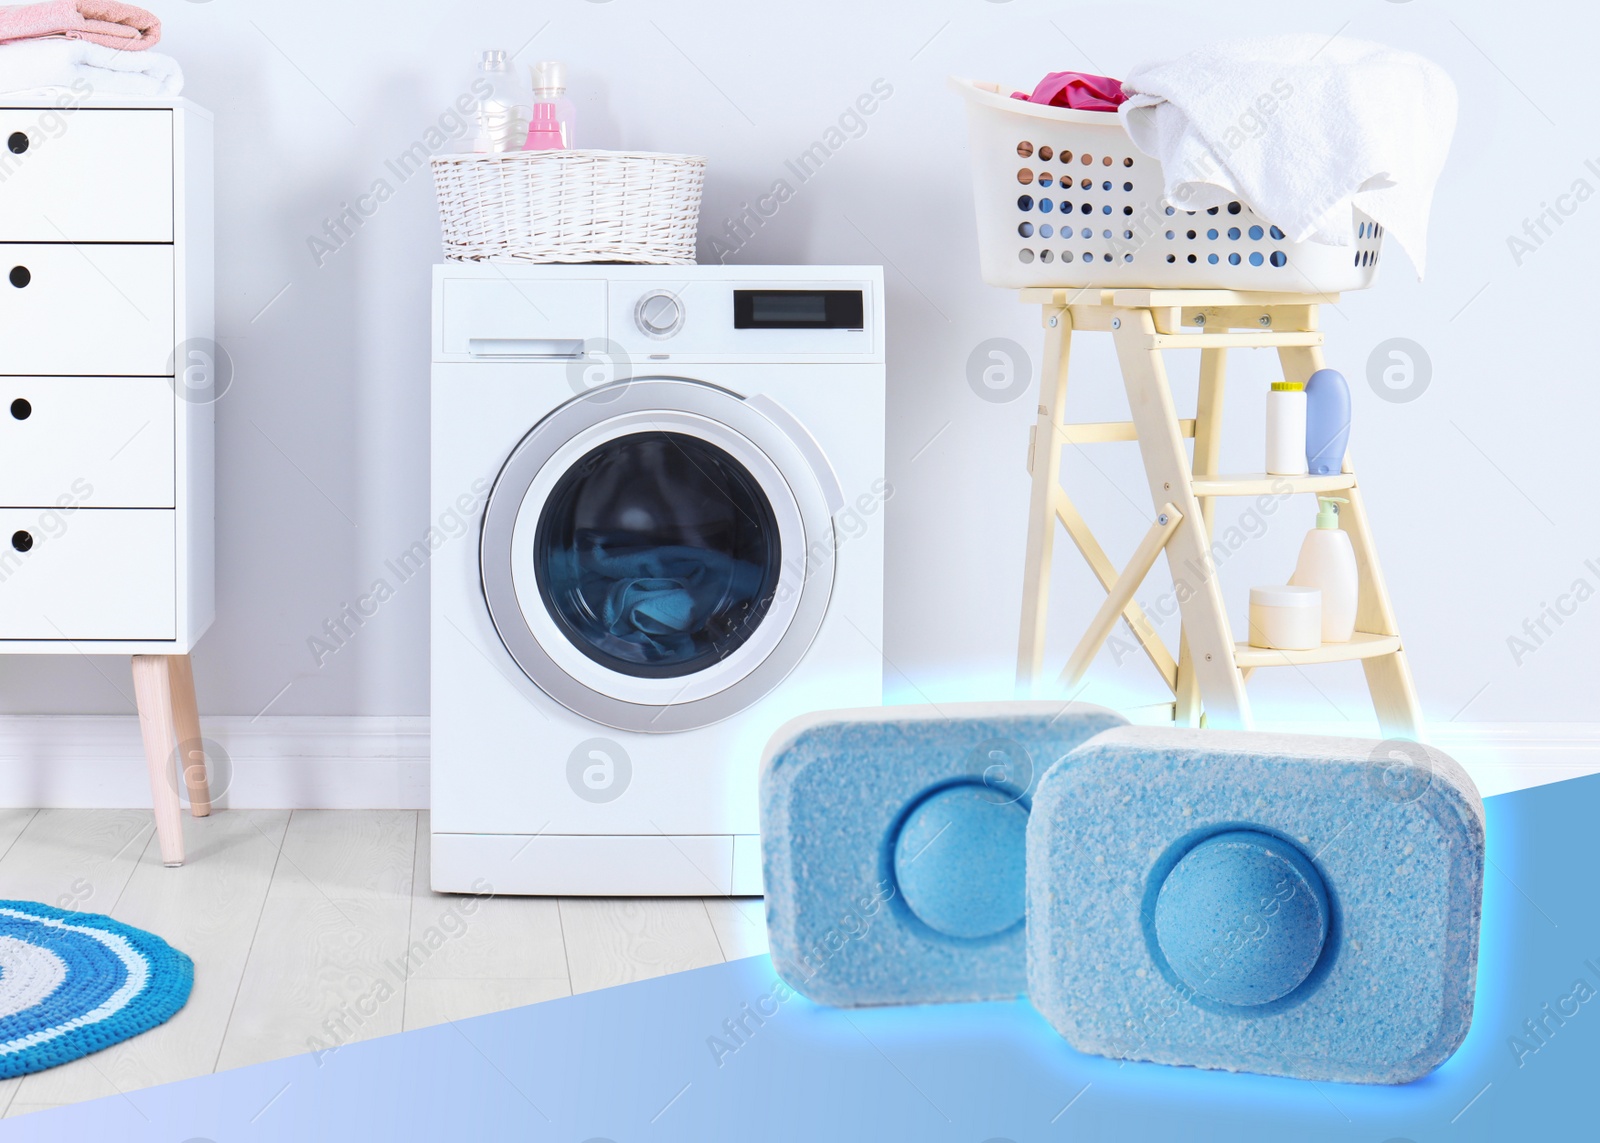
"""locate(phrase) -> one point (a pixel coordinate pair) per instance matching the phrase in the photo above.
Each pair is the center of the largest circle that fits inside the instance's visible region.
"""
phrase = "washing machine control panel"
(659, 314)
(670, 319)
(676, 314)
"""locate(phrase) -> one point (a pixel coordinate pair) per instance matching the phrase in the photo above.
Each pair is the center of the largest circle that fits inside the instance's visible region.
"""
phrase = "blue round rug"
(74, 983)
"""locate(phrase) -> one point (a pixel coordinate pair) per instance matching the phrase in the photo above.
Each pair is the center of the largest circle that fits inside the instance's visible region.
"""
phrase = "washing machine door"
(657, 554)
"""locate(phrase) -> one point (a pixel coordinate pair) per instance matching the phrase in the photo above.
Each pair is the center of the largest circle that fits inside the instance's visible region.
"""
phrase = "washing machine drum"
(658, 555)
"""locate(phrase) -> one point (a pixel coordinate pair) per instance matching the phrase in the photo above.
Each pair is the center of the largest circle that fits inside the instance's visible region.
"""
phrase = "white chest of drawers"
(108, 376)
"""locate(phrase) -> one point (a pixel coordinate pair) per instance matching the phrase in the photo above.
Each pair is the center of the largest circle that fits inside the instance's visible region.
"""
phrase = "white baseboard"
(341, 762)
(1500, 756)
(377, 762)
(1506, 756)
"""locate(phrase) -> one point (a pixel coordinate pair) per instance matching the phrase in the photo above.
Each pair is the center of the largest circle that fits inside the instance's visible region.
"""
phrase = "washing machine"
(658, 505)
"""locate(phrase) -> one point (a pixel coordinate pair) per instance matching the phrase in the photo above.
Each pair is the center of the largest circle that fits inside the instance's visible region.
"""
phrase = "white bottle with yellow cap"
(1286, 429)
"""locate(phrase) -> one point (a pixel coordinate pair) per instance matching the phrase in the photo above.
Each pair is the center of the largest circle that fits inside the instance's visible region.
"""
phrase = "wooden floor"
(300, 922)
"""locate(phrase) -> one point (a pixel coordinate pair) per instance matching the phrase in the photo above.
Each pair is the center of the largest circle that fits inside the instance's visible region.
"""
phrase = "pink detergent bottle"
(550, 128)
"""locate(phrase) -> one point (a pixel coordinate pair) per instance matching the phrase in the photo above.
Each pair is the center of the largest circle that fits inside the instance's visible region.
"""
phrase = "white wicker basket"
(1064, 198)
(569, 206)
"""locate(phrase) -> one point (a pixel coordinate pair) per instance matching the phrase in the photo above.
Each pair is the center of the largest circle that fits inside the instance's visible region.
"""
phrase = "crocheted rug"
(74, 983)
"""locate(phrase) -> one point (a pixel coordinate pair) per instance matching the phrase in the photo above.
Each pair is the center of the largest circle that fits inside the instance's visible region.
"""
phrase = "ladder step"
(1362, 645)
(1266, 339)
(1146, 298)
(1099, 432)
(1264, 483)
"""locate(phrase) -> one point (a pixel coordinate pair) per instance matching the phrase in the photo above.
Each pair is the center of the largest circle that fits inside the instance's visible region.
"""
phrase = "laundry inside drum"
(657, 554)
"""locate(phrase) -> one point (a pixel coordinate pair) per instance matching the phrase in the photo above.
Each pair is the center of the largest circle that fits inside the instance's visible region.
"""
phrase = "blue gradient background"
(632, 1063)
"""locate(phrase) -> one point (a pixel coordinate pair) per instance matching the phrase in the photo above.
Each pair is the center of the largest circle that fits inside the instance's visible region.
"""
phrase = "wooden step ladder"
(1208, 677)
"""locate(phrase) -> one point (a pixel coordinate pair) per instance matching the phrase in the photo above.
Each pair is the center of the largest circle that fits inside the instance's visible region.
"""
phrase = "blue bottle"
(1327, 421)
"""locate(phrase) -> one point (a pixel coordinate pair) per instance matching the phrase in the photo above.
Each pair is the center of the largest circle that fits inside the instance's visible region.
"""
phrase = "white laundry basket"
(1064, 198)
(570, 206)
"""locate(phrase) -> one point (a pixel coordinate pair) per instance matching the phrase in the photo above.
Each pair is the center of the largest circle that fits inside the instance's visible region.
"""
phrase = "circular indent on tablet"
(1242, 917)
(959, 861)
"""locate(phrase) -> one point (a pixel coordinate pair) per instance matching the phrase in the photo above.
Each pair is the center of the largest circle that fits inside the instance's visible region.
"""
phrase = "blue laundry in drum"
(1280, 904)
(894, 845)
(649, 607)
(658, 597)
(657, 554)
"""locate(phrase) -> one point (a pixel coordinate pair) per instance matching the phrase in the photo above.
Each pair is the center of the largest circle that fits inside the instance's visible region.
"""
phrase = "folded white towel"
(34, 65)
(1301, 128)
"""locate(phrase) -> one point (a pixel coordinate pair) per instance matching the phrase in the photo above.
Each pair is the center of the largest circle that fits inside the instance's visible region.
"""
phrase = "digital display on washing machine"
(798, 309)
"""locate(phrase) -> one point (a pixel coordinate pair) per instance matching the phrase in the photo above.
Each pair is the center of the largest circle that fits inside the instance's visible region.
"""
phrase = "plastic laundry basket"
(1064, 198)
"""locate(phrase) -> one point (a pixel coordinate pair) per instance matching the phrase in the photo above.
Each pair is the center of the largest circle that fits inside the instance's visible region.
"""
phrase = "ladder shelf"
(1208, 676)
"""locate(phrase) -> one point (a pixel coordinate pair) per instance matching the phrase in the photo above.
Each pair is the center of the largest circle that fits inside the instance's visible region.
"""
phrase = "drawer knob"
(20, 276)
(21, 409)
(21, 541)
(18, 142)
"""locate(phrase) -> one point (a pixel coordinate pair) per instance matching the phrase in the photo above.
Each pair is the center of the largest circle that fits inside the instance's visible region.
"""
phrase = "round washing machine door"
(657, 554)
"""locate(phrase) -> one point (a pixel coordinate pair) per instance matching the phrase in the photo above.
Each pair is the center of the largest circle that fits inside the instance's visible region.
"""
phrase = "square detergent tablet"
(893, 842)
(1280, 904)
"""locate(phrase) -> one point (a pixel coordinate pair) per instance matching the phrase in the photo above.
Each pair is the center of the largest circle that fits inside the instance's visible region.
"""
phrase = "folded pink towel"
(106, 22)
(1078, 90)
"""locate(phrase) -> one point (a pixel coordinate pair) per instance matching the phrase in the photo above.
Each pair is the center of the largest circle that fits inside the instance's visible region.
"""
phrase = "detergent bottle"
(550, 126)
(1327, 561)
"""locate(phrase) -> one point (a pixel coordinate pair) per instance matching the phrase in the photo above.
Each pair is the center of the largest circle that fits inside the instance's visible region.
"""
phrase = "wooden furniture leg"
(1046, 467)
(186, 727)
(152, 686)
(1207, 454)
(1194, 574)
(1394, 695)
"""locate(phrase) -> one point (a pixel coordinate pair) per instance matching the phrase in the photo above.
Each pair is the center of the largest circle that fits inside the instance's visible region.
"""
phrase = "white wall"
(1481, 489)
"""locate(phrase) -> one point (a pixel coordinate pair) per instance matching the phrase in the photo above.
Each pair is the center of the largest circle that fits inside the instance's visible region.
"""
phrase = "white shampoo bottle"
(1327, 561)
(1286, 429)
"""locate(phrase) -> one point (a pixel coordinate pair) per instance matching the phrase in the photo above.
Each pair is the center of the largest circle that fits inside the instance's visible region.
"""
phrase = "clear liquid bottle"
(551, 123)
(502, 110)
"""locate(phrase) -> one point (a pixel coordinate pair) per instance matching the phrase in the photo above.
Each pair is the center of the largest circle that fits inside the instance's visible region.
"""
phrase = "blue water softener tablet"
(894, 841)
(1281, 904)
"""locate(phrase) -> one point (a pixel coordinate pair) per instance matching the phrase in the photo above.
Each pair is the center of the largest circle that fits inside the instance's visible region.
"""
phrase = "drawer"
(103, 442)
(85, 309)
(504, 317)
(89, 573)
(89, 175)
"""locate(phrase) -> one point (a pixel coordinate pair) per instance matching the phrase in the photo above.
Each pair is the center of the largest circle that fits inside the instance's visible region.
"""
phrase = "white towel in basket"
(1302, 129)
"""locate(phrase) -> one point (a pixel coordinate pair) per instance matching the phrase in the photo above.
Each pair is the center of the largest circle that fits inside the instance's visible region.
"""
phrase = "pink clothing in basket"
(106, 22)
(1076, 89)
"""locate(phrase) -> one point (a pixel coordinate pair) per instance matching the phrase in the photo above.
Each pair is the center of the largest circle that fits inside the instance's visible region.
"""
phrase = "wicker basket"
(569, 206)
